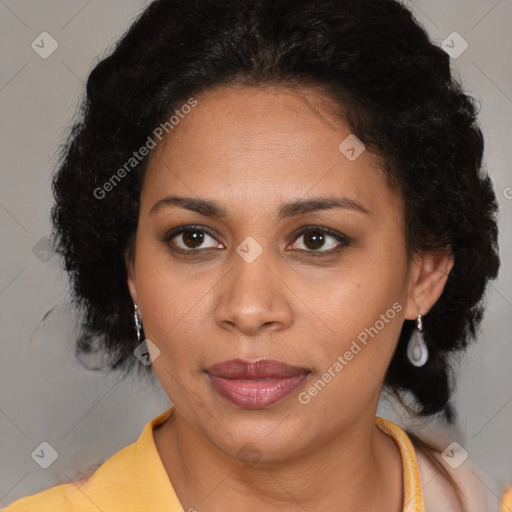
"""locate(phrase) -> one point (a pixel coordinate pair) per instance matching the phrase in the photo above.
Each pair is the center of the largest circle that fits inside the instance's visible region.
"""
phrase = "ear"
(427, 277)
(129, 260)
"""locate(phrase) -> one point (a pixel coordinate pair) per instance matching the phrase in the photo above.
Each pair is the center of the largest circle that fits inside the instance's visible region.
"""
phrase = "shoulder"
(443, 477)
(112, 486)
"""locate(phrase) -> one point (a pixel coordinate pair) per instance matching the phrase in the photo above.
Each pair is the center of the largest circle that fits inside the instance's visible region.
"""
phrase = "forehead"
(243, 143)
(243, 118)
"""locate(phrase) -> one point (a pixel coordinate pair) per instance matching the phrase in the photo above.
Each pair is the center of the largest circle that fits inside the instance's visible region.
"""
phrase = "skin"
(251, 149)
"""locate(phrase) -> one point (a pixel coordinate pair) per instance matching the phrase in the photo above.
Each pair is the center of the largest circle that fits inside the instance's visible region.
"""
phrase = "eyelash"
(343, 239)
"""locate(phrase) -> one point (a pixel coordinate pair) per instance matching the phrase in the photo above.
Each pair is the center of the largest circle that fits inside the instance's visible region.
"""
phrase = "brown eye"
(191, 238)
(314, 240)
(321, 240)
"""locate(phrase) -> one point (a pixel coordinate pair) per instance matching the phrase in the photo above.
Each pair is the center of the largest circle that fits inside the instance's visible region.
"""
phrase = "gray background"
(88, 416)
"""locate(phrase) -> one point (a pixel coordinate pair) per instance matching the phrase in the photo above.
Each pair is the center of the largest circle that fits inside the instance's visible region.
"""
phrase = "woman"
(280, 207)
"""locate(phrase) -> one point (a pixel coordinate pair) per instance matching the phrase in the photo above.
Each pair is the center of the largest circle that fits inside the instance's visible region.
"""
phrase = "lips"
(255, 385)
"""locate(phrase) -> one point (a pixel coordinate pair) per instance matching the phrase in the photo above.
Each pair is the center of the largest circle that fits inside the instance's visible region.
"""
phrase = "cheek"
(173, 305)
(357, 296)
(160, 296)
(363, 312)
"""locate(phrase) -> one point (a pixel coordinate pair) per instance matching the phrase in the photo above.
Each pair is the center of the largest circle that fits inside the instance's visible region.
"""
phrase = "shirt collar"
(413, 491)
(151, 471)
(160, 492)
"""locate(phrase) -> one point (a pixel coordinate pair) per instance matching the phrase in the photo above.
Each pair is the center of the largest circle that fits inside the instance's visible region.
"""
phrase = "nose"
(254, 297)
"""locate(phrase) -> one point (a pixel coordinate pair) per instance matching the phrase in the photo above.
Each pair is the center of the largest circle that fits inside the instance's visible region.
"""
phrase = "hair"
(396, 93)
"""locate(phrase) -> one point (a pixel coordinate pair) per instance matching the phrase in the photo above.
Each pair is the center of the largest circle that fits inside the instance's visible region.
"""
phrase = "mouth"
(255, 385)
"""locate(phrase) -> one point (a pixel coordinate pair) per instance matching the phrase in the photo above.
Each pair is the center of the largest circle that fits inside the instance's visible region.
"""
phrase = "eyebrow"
(210, 208)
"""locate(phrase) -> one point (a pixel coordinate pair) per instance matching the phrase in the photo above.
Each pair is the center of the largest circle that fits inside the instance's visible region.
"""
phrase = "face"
(322, 289)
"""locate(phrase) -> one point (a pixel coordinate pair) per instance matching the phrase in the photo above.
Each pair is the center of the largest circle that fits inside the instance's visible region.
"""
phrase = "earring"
(417, 351)
(137, 319)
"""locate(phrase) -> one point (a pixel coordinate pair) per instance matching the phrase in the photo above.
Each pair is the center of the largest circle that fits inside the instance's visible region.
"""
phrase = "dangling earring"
(417, 351)
(137, 319)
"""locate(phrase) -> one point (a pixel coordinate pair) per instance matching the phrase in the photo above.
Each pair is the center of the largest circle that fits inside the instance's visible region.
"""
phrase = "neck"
(357, 469)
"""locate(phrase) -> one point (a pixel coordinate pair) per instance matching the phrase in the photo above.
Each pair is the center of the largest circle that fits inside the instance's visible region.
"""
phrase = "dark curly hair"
(387, 80)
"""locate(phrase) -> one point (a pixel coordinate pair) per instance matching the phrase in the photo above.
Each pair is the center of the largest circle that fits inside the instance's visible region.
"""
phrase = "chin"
(258, 437)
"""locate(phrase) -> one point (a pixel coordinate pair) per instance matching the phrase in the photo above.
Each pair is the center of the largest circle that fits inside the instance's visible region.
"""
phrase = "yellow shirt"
(134, 480)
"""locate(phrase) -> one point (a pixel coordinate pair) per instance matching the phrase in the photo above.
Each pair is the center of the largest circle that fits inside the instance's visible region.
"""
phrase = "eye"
(317, 237)
(191, 238)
